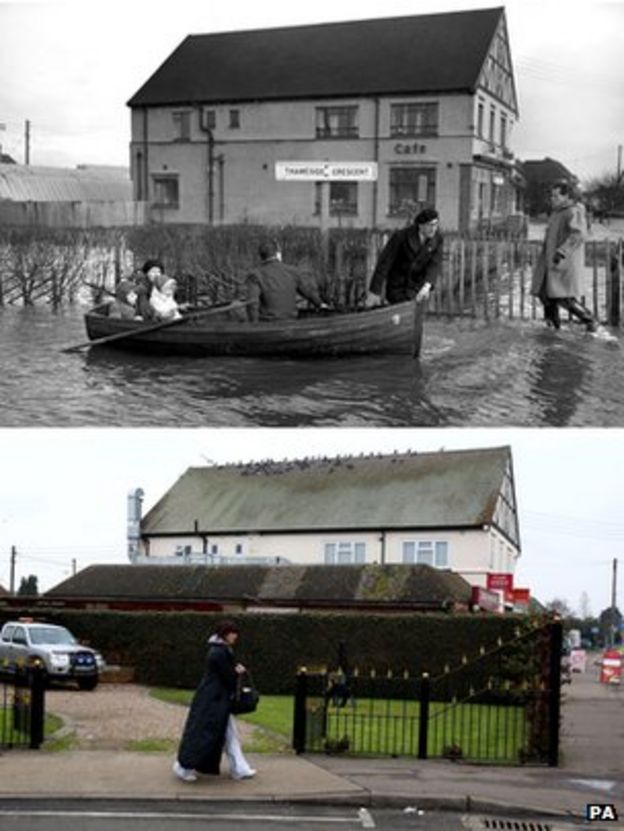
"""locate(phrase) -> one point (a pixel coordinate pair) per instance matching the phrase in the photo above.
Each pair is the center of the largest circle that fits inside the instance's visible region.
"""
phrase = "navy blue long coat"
(203, 738)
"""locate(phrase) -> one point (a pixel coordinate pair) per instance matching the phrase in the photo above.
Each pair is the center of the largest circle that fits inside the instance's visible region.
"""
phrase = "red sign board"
(522, 597)
(500, 582)
(487, 600)
(611, 669)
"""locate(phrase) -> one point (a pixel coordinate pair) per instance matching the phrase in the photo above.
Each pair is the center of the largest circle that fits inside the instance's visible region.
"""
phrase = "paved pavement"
(592, 770)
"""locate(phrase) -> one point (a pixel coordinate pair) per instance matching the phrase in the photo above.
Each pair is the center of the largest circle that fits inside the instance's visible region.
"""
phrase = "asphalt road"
(189, 816)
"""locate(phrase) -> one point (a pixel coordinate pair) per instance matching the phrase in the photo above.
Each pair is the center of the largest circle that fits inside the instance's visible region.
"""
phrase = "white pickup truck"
(23, 642)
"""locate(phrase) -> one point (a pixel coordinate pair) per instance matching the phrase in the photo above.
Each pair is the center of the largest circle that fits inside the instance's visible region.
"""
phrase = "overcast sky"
(63, 492)
(69, 66)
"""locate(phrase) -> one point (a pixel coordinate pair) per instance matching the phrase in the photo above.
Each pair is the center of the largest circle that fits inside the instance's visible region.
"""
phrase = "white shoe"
(185, 774)
(249, 774)
(604, 334)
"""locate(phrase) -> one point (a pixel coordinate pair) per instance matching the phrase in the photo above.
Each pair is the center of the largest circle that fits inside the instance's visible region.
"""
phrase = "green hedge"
(169, 648)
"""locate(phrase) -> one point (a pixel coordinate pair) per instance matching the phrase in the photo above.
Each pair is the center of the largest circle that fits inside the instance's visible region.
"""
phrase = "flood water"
(471, 373)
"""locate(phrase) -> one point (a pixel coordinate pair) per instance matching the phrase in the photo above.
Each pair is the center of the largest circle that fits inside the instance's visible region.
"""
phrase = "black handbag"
(246, 696)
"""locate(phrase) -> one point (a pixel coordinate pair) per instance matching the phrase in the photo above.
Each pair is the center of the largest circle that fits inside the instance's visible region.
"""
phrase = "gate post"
(423, 720)
(554, 692)
(37, 706)
(299, 717)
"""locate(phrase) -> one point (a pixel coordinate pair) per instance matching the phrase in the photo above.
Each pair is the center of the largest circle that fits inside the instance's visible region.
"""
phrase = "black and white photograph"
(349, 215)
(311, 415)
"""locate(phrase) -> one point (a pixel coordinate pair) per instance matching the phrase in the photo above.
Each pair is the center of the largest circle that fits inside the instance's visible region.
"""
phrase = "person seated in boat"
(124, 306)
(145, 278)
(162, 298)
(272, 288)
(410, 263)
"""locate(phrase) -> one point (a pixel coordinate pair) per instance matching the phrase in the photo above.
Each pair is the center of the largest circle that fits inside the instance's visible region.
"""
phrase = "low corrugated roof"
(402, 55)
(58, 184)
(410, 490)
(296, 585)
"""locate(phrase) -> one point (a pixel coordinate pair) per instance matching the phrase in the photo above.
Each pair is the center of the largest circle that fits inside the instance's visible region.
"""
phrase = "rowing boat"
(385, 329)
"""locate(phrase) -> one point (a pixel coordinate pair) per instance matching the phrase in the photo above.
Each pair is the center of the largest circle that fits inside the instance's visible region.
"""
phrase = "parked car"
(63, 658)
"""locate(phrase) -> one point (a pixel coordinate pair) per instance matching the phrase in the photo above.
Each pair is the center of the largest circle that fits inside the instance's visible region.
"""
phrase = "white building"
(452, 510)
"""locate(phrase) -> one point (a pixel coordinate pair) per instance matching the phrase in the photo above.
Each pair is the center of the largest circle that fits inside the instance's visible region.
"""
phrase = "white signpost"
(326, 171)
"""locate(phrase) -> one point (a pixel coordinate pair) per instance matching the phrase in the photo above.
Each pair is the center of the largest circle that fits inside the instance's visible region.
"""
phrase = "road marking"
(166, 815)
(366, 818)
(596, 784)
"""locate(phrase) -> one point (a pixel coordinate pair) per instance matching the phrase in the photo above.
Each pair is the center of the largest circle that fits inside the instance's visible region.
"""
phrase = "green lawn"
(274, 716)
(50, 725)
(472, 731)
(484, 732)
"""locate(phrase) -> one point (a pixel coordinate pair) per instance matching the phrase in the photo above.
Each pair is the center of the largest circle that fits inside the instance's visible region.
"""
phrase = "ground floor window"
(166, 191)
(426, 552)
(344, 553)
(411, 189)
(343, 198)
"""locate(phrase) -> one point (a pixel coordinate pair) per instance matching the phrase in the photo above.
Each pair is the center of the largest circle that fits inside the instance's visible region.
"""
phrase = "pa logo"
(596, 811)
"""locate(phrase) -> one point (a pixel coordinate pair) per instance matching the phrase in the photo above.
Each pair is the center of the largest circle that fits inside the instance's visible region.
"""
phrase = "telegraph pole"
(12, 577)
(27, 142)
(613, 600)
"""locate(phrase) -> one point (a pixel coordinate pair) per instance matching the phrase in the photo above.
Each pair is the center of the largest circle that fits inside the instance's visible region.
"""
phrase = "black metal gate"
(500, 706)
(22, 707)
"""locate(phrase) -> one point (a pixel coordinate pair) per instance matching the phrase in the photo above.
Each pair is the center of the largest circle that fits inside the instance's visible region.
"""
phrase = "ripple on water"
(471, 373)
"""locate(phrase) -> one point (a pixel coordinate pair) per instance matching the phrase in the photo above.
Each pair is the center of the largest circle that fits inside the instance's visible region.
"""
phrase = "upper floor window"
(166, 191)
(234, 119)
(210, 119)
(503, 130)
(344, 553)
(492, 135)
(426, 552)
(182, 125)
(337, 122)
(414, 119)
(481, 119)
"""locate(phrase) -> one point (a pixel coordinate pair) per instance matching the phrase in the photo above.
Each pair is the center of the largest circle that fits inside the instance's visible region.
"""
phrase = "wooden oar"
(153, 327)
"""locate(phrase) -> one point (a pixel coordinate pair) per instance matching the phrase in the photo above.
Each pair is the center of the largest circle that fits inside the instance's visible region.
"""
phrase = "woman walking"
(210, 727)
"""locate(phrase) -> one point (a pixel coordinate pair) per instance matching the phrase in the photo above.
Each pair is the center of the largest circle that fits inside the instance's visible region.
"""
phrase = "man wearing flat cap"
(410, 262)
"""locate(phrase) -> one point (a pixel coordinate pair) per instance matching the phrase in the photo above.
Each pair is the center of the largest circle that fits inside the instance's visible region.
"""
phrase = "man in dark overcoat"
(411, 261)
(409, 266)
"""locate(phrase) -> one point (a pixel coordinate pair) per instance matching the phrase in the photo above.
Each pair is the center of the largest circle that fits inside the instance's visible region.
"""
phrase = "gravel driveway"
(113, 715)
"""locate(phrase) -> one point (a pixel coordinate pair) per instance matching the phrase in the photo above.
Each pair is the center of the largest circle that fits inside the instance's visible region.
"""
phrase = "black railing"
(22, 708)
(502, 707)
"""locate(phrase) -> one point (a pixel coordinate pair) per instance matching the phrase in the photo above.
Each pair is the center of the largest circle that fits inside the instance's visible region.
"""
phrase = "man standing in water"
(558, 272)
(409, 265)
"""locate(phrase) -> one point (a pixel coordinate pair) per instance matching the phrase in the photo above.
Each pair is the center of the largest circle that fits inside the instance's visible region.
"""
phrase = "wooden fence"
(483, 278)
(492, 280)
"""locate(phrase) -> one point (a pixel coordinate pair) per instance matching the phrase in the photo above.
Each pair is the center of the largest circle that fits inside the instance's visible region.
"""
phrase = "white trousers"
(239, 766)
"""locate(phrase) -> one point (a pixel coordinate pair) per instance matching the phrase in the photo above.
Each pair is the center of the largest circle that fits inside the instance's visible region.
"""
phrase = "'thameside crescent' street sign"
(326, 171)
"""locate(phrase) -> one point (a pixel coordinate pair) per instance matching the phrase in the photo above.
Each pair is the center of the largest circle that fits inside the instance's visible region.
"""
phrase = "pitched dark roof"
(450, 489)
(367, 585)
(403, 55)
(546, 170)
